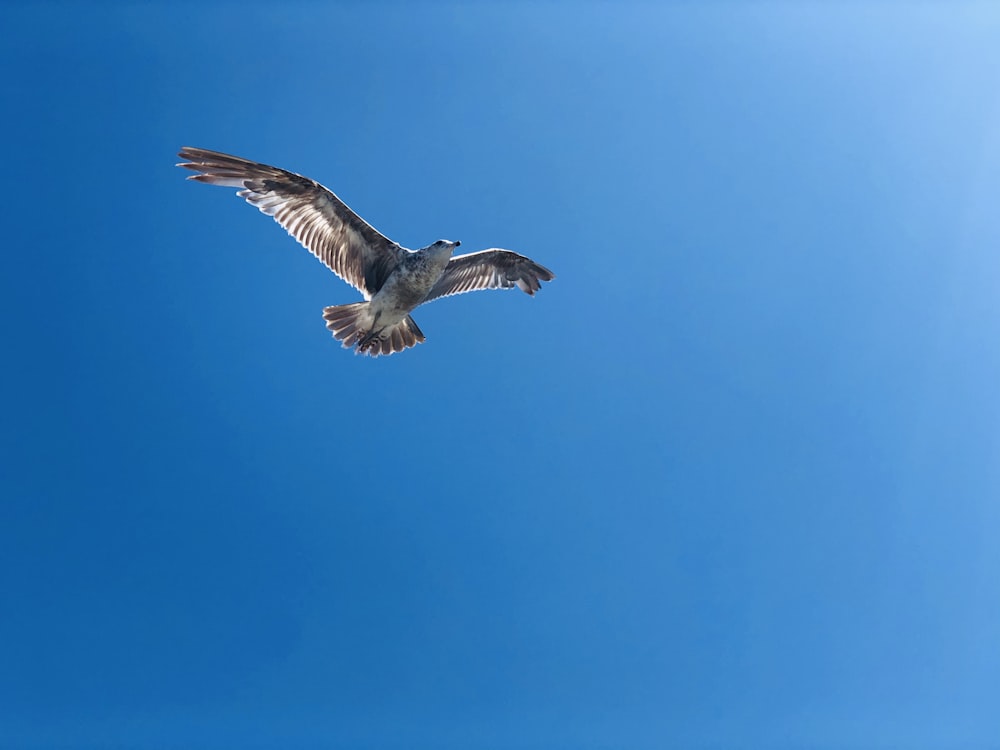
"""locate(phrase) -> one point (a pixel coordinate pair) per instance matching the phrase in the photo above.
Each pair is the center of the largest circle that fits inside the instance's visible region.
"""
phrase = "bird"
(392, 279)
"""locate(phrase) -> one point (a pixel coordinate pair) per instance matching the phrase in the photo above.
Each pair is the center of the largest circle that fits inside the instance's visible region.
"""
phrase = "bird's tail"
(353, 325)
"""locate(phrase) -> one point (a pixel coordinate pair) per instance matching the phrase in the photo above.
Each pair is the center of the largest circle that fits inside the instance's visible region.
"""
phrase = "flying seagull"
(392, 279)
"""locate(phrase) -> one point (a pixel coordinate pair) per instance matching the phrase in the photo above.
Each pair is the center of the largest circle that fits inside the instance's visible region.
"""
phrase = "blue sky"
(731, 480)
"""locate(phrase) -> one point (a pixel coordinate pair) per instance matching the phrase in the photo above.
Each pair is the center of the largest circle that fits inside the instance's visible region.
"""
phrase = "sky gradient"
(731, 480)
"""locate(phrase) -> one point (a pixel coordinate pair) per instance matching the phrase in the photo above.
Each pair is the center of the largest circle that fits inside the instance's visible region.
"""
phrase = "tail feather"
(352, 325)
(348, 322)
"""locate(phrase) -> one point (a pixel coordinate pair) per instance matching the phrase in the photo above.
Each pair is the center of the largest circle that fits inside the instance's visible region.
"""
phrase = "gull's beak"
(457, 244)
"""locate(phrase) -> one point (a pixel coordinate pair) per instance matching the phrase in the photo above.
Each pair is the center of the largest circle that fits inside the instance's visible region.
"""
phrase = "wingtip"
(190, 156)
(194, 168)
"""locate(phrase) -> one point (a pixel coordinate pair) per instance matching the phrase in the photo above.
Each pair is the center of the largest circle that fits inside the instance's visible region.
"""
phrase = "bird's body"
(392, 279)
(387, 313)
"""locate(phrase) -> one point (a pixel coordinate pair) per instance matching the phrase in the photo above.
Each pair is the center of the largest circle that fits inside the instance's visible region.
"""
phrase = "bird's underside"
(392, 279)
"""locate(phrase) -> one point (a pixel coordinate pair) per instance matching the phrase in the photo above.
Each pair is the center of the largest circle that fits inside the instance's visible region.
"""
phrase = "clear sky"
(732, 480)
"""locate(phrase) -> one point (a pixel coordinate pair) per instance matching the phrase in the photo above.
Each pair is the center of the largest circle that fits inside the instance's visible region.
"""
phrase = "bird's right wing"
(490, 269)
(313, 215)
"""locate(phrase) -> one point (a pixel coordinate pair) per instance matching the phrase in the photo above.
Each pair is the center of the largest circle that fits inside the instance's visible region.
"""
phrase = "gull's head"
(442, 247)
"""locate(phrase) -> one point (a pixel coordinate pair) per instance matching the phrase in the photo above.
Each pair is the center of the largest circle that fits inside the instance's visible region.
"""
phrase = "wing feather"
(313, 215)
(490, 269)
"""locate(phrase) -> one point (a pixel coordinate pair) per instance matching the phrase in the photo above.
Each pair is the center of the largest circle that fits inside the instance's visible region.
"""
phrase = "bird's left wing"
(318, 219)
(490, 269)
